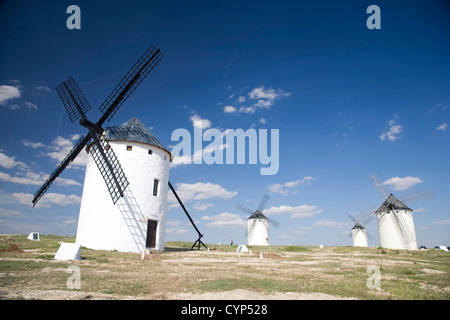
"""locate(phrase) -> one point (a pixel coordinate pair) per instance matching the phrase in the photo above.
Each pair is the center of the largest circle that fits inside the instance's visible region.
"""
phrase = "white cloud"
(261, 93)
(48, 200)
(27, 179)
(174, 223)
(43, 88)
(61, 147)
(301, 211)
(400, 184)
(10, 162)
(442, 127)
(10, 213)
(30, 106)
(33, 145)
(442, 222)
(200, 206)
(35, 179)
(328, 223)
(262, 120)
(259, 98)
(224, 219)
(229, 109)
(176, 227)
(197, 156)
(284, 188)
(277, 188)
(392, 132)
(195, 119)
(201, 191)
(8, 93)
(177, 231)
(25, 175)
(251, 109)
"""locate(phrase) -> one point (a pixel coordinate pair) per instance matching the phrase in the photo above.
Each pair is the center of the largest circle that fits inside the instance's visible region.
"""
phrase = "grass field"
(28, 271)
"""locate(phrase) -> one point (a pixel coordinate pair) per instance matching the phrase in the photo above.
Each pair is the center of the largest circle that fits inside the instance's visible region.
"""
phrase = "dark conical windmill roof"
(392, 203)
(257, 215)
(133, 130)
(358, 226)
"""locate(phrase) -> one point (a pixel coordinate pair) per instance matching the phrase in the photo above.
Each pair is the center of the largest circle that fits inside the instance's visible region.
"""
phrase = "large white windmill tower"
(258, 225)
(137, 220)
(396, 225)
(395, 220)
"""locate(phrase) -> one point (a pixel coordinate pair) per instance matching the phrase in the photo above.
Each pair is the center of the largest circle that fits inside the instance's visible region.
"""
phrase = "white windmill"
(359, 236)
(126, 164)
(258, 224)
(395, 220)
(359, 233)
(137, 220)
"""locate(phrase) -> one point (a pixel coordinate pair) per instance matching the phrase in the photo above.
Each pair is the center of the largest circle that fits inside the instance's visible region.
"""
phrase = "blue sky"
(347, 101)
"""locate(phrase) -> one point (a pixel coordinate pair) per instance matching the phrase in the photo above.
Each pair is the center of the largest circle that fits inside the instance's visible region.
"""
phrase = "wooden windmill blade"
(79, 145)
(129, 83)
(417, 196)
(104, 157)
(360, 229)
(274, 223)
(110, 169)
(363, 218)
(263, 203)
(73, 99)
(250, 230)
(404, 233)
(378, 185)
(76, 106)
(244, 208)
(361, 222)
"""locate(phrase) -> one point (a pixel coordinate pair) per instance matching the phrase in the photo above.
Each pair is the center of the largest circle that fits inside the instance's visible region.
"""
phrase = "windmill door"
(151, 234)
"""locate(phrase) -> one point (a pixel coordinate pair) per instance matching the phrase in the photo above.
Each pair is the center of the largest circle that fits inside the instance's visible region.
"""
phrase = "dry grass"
(181, 273)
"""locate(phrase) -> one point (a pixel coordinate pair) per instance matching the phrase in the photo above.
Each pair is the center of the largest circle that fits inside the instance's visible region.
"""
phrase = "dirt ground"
(316, 274)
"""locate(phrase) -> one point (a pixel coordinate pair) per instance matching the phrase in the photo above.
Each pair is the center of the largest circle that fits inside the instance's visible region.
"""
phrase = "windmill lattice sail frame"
(391, 204)
(77, 106)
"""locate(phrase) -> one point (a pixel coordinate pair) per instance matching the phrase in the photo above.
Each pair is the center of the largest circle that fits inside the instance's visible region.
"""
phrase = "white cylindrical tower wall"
(359, 237)
(389, 232)
(123, 226)
(258, 232)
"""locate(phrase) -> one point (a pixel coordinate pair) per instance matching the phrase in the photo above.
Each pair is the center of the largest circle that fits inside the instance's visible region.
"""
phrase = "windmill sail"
(76, 106)
(129, 83)
(110, 169)
(394, 217)
(73, 99)
(257, 223)
(79, 145)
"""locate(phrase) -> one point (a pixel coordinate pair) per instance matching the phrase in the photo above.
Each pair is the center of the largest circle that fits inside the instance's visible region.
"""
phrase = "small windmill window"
(150, 151)
(155, 187)
(129, 148)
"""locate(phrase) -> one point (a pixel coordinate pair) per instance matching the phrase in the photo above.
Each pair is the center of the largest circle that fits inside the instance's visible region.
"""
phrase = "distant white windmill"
(359, 236)
(359, 233)
(395, 221)
(258, 224)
